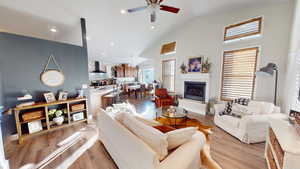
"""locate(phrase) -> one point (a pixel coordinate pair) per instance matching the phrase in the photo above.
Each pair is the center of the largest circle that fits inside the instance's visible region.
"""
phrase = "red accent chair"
(162, 98)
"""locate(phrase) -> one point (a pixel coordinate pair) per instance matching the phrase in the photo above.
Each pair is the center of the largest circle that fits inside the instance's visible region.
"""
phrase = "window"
(238, 77)
(168, 48)
(147, 75)
(242, 30)
(168, 74)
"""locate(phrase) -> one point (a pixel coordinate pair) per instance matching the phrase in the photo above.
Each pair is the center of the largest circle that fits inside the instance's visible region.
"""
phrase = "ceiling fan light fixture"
(123, 11)
(53, 29)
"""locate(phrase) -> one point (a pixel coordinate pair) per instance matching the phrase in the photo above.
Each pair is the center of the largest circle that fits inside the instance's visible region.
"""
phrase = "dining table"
(135, 89)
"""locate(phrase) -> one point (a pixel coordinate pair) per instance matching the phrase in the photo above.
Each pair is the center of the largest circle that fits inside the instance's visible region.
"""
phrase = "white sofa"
(249, 128)
(130, 152)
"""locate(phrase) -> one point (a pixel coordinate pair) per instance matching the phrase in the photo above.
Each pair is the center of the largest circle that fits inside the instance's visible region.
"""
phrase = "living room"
(169, 84)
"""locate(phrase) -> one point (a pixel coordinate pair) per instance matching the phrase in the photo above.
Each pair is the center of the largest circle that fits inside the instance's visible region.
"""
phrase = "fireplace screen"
(194, 90)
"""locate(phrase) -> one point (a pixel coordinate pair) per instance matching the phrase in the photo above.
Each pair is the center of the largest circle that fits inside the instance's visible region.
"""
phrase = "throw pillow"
(125, 107)
(242, 101)
(228, 106)
(241, 110)
(180, 136)
(237, 110)
(253, 110)
(154, 138)
(265, 107)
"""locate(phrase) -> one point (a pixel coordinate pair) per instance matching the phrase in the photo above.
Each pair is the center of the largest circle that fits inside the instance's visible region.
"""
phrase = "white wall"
(204, 36)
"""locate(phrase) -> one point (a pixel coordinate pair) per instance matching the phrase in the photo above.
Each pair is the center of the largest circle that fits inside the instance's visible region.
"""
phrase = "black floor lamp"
(270, 69)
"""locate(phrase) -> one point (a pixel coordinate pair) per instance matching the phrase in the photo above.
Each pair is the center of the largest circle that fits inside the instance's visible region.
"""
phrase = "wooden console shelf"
(282, 146)
(47, 124)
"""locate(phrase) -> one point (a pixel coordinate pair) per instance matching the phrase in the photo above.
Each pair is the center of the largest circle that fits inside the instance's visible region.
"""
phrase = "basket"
(77, 107)
(28, 116)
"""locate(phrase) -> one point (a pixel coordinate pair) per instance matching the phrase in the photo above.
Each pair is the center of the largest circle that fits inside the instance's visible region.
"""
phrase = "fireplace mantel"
(197, 77)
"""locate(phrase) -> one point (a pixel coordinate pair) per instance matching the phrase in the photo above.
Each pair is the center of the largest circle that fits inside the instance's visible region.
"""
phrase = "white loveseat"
(248, 128)
(130, 152)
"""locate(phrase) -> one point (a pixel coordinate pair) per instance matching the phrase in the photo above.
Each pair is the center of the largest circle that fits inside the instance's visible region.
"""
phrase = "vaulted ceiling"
(113, 37)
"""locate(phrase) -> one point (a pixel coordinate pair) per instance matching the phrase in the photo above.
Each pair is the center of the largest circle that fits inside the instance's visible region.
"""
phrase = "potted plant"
(206, 66)
(183, 68)
(59, 118)
(51, 114)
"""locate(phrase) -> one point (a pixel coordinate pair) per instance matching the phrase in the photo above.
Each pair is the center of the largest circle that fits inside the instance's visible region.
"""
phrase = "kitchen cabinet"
(125, 70)
(120, 71)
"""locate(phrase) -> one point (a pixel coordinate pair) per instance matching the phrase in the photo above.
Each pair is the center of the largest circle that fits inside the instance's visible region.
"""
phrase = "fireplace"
(194, 90)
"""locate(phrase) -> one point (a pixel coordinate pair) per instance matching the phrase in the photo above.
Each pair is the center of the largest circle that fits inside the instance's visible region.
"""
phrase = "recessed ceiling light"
(53, 30)
(112, 44)
(88, 38)
(152, 27)
(123, 11)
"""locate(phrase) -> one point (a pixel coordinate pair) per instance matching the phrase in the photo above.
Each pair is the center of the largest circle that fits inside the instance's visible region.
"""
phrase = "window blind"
(168, 74)
(168, 48)
(238, 77)
(243, 29)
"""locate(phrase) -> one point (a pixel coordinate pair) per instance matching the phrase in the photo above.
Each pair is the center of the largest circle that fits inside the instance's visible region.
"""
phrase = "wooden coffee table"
(173, 114)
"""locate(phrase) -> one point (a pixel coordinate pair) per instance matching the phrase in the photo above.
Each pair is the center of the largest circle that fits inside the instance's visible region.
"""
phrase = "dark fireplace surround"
(194, 90)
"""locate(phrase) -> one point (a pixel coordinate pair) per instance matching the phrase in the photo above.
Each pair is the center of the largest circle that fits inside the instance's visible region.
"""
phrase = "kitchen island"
(96, 94)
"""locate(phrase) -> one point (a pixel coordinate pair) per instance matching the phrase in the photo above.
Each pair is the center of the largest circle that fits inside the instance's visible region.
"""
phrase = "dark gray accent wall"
(22, 59)
(1, 93)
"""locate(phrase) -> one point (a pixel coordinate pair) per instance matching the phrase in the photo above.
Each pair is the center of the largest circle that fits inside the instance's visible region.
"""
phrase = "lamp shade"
(269, 69)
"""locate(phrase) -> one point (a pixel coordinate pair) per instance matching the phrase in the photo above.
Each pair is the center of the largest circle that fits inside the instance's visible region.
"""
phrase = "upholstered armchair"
(162, 98)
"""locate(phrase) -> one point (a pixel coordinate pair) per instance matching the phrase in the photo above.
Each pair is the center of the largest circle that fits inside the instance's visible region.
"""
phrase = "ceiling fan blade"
(154, 1)
(160, 1)
(169, 8)
(148, 2)
(153, 16)
(136, 9)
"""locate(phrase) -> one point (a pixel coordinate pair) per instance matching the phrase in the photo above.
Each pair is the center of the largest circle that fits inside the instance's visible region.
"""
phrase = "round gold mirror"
(52, 78)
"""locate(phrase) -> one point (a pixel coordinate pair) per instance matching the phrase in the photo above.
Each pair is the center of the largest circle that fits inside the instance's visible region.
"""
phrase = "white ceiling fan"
(154, 6)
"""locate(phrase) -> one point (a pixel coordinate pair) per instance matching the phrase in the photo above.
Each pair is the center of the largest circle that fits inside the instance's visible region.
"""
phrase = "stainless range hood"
(97, 74)
(97, 68)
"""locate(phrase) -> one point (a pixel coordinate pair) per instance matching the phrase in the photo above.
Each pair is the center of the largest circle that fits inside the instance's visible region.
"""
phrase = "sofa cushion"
(264, 107)
(180, 136)
(119, 116)
(154, 138)
(231, 121)
(241, 110)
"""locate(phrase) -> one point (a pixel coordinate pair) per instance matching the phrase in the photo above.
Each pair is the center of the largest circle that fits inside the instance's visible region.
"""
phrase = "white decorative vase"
(59, 120)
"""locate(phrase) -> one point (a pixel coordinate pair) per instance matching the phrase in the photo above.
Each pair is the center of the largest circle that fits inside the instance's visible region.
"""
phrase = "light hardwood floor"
(225, 149)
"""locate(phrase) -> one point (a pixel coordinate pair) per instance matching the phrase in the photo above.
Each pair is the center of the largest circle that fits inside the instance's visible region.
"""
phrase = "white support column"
(3, 162)
(293, 65)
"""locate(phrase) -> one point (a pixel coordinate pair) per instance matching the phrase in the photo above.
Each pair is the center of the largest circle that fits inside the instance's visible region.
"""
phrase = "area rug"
(206, 158)
(188, 122)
